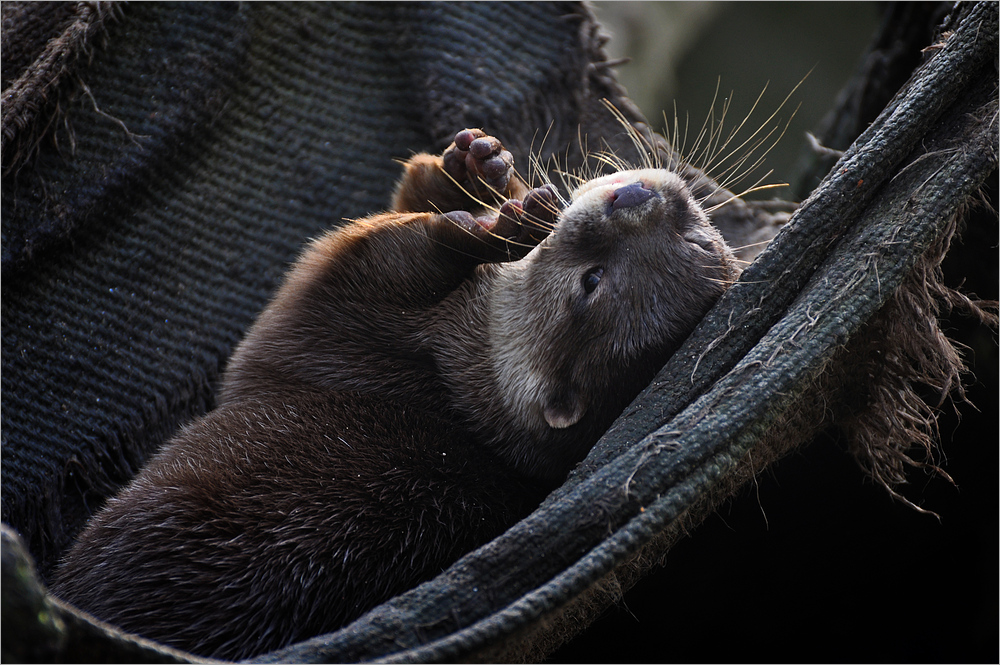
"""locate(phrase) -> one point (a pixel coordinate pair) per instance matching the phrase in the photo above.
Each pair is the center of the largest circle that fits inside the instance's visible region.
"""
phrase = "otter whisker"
(520, 178)
(535, 166)
(538, 171)
(716, 136)
(756, 187)
(678, 153)
(532, 223)
(585, 169)
(738, 170)
(477, 237)
(761, 158)
(718, 280)
(612, 160)
(643, 145)
(704, 131)
(752, 244)
(760, 188)
(444, 244)
(752, 143)
(476, 199)
(571, 175)
(577, 180)
(735, 131)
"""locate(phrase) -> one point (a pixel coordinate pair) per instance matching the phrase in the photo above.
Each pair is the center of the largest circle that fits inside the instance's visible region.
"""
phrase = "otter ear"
(562, 413)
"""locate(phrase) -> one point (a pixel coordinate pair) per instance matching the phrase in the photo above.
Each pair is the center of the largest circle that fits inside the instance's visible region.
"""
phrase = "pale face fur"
(582, 322)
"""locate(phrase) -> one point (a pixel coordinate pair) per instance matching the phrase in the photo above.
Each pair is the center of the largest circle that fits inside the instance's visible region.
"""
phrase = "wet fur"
(416, 386)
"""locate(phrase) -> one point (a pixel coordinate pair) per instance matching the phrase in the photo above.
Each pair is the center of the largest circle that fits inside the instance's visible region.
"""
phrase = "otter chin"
(419, 382)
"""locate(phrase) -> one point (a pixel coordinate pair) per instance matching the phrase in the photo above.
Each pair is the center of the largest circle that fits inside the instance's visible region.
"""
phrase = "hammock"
(164, 163)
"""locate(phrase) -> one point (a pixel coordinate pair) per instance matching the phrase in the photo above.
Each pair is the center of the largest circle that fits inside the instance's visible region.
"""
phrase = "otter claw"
(466, 221)
(509, 220)
(542, 206)
(465, 138)
(529, 220)
(496, 168)
(484, 146)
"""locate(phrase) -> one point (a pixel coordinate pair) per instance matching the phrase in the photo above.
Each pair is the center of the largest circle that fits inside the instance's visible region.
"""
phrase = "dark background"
(814, 562)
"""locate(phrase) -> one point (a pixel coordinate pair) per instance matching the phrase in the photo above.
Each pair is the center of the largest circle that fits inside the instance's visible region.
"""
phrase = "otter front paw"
(514, 230)
(531, 219)
(474, 155)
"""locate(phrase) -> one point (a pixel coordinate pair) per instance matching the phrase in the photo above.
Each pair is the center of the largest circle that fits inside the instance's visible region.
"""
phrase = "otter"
(419, 382)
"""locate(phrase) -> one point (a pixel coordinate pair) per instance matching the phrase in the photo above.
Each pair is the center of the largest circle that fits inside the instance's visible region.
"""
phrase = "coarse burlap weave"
(194, 154)
(164, 163)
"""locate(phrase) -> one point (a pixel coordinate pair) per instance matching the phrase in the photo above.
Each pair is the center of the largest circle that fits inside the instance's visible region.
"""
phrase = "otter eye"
(592, 278)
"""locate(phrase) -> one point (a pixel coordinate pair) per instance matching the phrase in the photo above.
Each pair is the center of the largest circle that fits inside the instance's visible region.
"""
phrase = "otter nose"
(631, 195)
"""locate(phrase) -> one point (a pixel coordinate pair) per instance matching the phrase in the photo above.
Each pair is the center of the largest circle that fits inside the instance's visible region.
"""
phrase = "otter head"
(584, 321)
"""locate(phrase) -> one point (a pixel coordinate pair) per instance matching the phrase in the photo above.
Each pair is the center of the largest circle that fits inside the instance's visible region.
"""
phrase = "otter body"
(419, 382)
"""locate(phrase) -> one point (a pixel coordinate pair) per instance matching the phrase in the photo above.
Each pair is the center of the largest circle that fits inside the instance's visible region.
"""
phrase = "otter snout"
(632, 195)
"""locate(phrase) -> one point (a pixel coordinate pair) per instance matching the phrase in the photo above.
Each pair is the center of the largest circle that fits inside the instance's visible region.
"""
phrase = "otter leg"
(351, 312)
(474, 173)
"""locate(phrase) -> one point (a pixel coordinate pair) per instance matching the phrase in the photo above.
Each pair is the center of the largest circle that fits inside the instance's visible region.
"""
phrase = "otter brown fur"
(416, 386)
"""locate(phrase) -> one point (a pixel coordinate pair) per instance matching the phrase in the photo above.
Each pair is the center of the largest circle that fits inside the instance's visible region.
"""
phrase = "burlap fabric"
(164, 163)
(181, 169)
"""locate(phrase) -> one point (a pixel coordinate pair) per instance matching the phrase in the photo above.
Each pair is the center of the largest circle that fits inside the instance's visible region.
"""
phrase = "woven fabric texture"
(209, 141)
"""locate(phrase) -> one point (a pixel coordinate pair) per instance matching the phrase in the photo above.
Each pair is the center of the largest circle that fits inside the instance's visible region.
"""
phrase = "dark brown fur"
(411, 391)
